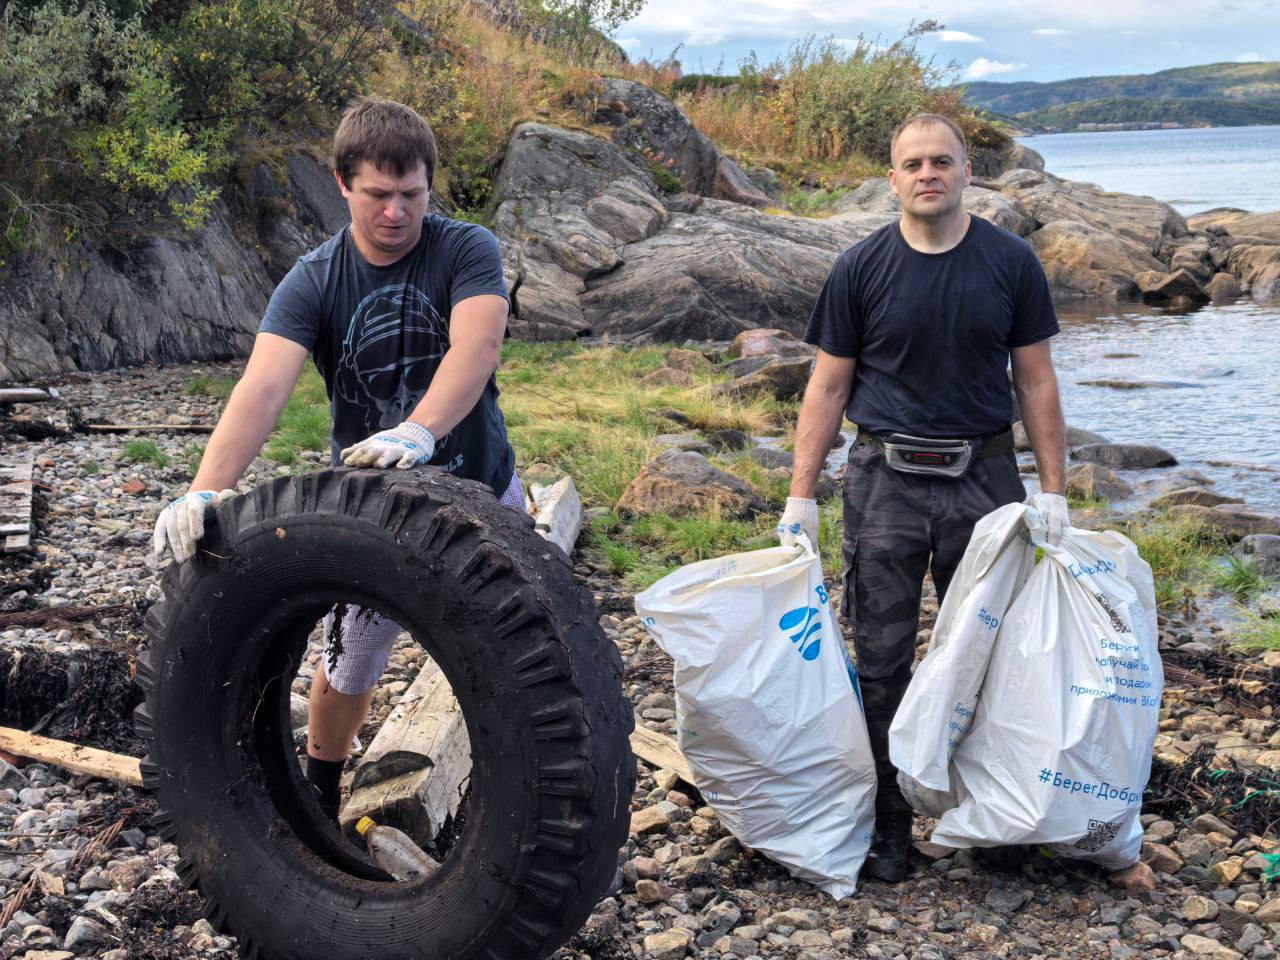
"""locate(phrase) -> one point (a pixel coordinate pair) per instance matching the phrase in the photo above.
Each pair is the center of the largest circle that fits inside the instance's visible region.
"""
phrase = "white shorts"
(367, 637)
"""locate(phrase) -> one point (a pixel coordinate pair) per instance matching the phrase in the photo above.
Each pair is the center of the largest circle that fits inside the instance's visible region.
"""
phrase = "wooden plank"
(15, 500)
(412, 774)
(145, 427)
(72, 756)
(24, 395)
(559, 516)
(661, 752)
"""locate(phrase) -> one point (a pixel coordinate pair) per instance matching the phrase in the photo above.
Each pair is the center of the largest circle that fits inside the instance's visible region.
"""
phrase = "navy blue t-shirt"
(377, 335)
(932, 332)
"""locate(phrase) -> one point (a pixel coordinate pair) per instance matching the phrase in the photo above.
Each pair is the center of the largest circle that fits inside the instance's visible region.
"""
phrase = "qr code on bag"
(1101, 832)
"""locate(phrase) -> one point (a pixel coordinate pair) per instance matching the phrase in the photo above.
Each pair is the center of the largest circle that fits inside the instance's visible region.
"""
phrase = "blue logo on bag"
(806, 623)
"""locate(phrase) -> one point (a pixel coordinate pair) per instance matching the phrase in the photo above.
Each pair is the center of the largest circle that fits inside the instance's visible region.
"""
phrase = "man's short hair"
(389, 135)
(930, 120)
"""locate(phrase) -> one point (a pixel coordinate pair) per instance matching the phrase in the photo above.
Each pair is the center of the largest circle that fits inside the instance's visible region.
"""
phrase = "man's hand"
(801, 516)
(1052, 507)
(404, 446)
(181, 523)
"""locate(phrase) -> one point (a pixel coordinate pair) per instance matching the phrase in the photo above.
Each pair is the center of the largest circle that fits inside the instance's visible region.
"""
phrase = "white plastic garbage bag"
(768, 708)
(1060, 748)
(938, 707)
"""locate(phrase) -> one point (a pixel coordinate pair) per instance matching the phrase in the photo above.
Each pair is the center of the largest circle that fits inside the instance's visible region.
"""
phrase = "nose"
(394, 209)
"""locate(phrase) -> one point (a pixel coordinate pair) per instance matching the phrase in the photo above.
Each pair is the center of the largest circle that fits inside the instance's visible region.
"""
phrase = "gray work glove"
(404, 446)
(801, 516)
(181, 523)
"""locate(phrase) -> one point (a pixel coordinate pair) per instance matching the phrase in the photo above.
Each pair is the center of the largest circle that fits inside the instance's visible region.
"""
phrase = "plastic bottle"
(394, 851)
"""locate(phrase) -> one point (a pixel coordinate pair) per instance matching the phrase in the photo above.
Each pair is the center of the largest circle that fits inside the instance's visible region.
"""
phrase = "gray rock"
(772, 458)
(84, 935)
(1086, 261)
(644, 119)
(781, 379)
(996, 207)
(1197, 495)
(11, 778)
(1095, 482)
(678, 482)
(1005, 900)
(1180, 283)
(1125, 456)
(1264, 549)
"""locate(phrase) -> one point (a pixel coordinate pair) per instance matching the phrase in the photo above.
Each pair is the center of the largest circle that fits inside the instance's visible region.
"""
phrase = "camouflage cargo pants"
(897, 526)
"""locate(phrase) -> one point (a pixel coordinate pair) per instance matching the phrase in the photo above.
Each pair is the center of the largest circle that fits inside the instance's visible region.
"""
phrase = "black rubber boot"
(891, 842)
(890, 846)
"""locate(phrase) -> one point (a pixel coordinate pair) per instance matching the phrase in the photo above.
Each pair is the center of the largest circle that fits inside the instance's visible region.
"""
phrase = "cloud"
(958, 36)
(629, 43)
(1050, 32)
(982, 67)
(704, 37)
(1249, 58)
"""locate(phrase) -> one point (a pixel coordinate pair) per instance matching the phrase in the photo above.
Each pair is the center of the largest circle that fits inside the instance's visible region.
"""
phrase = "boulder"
(644, 120)
(726, 440)
(771, 458)
(1192, 254)
(999, 209)
(1259, 266)
(1125, 456)
(667, 377)
(1198, 495)
(1264, 550)
(1081, 260)
(683, 441)
(1167, 288)
(1075, 437)
(1141, 222)
(1223, 287)
(991, 161)
(746, 365)
(783, 379)
(710, 275)
(1092, 481)
(678, 482)
(873, 195)
(1230, 523)
(690, 361)
(768, 342)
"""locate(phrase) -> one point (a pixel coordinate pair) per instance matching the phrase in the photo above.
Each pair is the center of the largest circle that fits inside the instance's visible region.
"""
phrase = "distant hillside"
(1218, 94)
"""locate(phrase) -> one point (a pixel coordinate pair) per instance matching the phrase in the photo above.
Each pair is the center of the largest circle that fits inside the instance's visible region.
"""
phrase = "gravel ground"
(690, 889)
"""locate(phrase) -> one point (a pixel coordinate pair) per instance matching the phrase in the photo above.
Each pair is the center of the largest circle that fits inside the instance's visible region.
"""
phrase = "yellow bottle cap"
(364, 825)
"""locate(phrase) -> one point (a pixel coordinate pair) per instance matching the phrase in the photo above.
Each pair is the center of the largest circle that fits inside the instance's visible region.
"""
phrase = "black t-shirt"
(931, 332)
(377, 335)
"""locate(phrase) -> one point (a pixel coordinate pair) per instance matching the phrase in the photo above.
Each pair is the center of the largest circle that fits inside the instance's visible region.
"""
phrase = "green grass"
(207, 386)
(92, 467)
(144, 451)
(1078, 502)
(1238, 577)
(1258, 633)
(304, 424)
(193, 453)
(812, 203)
(1180, 552)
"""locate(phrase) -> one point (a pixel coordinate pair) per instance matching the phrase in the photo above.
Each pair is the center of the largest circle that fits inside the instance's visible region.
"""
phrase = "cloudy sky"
(989, 39)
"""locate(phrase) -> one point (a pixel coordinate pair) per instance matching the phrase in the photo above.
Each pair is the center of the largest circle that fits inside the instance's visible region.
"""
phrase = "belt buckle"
(928, 456)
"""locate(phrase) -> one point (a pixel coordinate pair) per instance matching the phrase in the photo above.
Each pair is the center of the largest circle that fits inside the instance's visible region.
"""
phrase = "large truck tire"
(519, 641)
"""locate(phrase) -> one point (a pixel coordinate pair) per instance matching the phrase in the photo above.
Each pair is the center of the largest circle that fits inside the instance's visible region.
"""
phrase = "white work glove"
(1052, 508)
(181, 523)
(404, 446)
(801, 516)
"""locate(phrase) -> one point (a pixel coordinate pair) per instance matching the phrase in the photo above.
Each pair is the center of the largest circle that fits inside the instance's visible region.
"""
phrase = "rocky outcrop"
(593, 247)
(644, 120)
(1084, 261)
(680, 482)
(1258, 265)
(1239, 223)
(165, 297)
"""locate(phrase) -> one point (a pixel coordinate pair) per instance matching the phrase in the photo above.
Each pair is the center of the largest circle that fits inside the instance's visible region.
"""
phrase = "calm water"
(1226, 410)
(1192, 169)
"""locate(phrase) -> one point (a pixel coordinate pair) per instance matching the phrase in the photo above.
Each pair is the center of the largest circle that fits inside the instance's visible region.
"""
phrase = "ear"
(968, 171)
(893, 180)
(346, 192)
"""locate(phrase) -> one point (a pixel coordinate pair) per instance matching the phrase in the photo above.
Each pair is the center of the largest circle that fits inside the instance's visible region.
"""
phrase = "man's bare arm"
(1036, 385)
(477, 326)
(821, 412)
(252, 411)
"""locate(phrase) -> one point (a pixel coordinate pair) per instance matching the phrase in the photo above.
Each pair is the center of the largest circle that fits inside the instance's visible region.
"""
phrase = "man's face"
(929, 171)
(386, 210)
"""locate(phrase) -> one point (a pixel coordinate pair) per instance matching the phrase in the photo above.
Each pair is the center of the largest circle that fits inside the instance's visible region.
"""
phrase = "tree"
(581, 25)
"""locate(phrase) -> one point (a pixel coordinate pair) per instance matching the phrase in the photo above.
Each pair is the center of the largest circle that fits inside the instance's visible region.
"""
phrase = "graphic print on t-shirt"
(393, 344)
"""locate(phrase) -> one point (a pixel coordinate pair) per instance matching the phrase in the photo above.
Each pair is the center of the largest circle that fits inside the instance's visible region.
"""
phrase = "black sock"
(325, 774)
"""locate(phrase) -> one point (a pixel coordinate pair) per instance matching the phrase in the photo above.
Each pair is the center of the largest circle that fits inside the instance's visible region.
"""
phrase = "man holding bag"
(915, 328)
